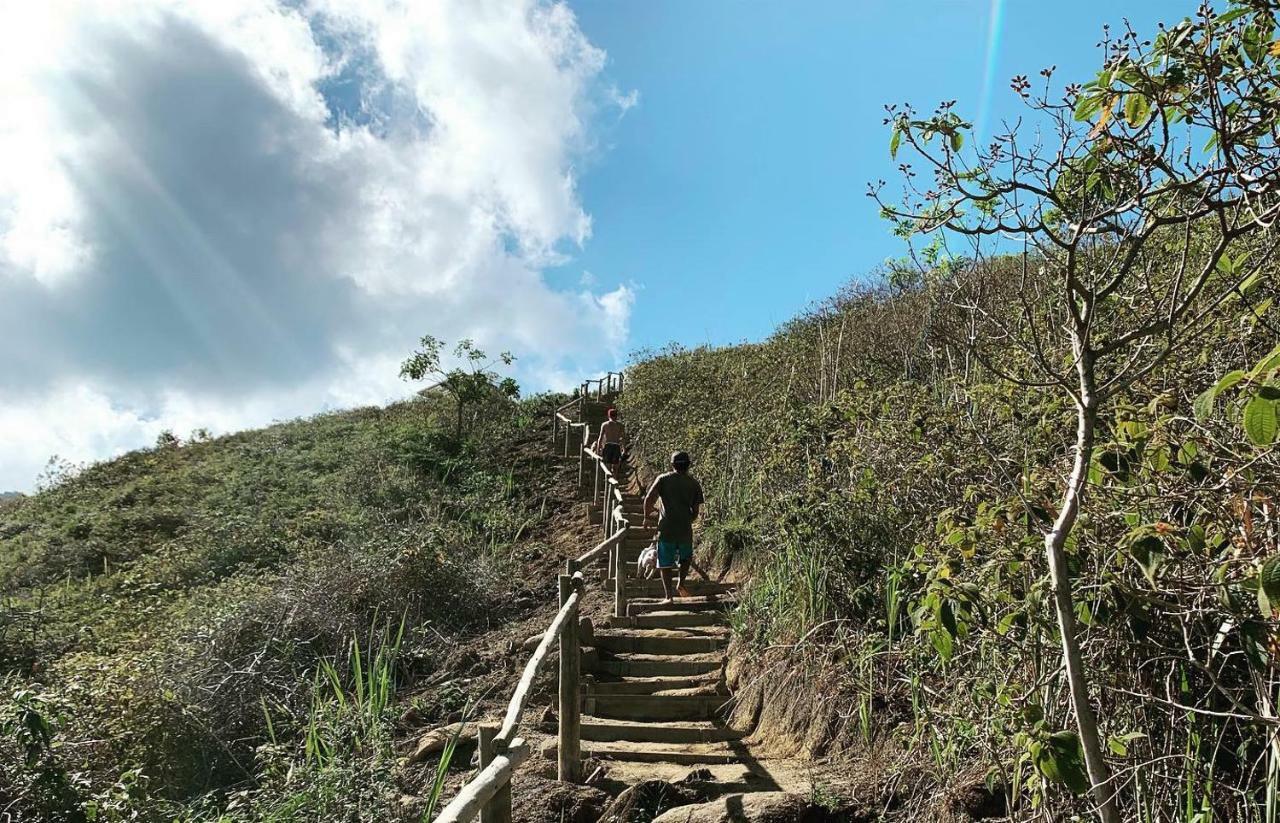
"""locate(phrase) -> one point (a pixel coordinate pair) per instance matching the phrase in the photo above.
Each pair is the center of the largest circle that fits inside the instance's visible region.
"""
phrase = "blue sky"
(216, 215)
(733, 193)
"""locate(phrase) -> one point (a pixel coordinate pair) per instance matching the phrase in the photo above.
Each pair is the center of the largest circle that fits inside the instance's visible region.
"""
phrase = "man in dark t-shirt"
(681, 498)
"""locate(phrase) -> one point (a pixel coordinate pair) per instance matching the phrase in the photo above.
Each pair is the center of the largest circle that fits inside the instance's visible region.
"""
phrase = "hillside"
(884, 496)
(167, 618)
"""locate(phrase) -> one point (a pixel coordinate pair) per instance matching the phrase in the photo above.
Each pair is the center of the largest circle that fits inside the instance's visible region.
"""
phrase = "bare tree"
(1126, 203)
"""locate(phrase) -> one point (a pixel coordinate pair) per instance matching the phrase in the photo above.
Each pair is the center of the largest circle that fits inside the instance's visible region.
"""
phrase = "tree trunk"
(1063, 601)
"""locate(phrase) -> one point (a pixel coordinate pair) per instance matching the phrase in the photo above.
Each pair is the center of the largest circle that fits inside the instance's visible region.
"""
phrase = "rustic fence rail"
(488, 794)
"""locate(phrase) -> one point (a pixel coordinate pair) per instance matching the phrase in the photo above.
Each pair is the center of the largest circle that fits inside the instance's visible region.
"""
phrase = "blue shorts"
(671, 554)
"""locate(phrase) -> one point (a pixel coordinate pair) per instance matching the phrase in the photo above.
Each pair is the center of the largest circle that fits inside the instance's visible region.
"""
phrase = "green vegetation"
(1028, 481)
(216, 629)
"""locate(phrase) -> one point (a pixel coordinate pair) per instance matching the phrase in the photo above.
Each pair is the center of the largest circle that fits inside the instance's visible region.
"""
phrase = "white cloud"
(222, 212)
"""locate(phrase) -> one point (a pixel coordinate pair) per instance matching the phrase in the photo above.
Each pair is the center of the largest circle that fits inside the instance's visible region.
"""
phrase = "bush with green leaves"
(201, 628)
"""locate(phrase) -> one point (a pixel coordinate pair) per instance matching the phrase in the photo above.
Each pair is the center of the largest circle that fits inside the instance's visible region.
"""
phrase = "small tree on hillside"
(1127, 210)
(470, 384)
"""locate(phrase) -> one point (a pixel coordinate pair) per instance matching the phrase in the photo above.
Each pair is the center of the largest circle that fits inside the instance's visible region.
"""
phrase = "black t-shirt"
(679, 493)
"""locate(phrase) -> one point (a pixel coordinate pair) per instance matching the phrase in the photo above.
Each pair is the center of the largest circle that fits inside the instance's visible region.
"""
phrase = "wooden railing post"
(569, 751)
(619, 581)
(498, 809)
(582, 458)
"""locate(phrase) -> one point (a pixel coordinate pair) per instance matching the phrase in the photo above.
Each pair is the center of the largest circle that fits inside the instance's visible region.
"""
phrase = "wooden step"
(669, 620)
(649, 643)
(655, 665)
(653, 588)
(684, 754)
(604, 730)
(649, 685)
(642, 606)
(656, 707)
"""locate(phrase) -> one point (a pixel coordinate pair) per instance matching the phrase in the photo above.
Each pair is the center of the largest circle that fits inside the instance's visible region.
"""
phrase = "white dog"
(648, 566)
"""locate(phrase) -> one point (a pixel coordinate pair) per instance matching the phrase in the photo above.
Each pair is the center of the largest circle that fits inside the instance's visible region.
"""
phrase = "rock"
(537, 799)
(698, 776)
(435, 740)
(411, 717)
(978, 802)
(755, 807)
(647, 800)
(548, 721)
(530, 643)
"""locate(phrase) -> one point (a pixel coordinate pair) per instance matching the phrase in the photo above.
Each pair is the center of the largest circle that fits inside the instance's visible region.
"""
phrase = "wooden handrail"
(503, 751)
(473, 796)
(600, 548)
(521, 695)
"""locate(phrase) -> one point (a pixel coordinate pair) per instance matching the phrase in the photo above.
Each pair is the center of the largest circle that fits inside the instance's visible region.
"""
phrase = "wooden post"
(570, 566)
(498, 809)
(595, 482)
(555, 425)
(619, 581)
(569, 751)
(582, 458)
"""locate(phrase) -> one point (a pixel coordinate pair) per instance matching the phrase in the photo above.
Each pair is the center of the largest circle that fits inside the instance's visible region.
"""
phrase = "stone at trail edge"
(435, 740)
(646, 800)
(756, 807)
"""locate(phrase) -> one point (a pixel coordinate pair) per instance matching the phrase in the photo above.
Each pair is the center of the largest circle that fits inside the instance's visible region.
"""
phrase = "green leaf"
(895, 140)
(1260, 420)
(1120, 744)
(1203, 405)
(1061, 760)
(947, 617)
(1228, 380)
(1087, 106)
(1148, 551)
(1260, 309)
(1269, 584)
(1136, 109)
(957, 140)
(1266, 364)
(942, 642)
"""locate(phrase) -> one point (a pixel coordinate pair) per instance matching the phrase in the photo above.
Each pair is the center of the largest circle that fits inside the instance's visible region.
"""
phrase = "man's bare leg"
(665, 574)
(684, 575)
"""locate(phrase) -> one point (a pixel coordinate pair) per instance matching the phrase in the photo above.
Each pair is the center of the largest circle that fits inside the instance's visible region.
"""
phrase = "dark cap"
(680, 459)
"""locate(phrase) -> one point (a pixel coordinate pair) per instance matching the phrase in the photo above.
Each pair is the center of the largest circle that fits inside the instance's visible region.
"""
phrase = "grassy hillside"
(886, 497)
(205, 627)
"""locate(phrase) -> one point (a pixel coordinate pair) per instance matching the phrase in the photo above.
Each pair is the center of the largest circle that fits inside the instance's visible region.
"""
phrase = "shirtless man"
(609, 443)
(681, 498)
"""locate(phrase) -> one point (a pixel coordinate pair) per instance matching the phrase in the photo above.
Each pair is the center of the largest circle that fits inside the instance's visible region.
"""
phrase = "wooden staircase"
(656, 692)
